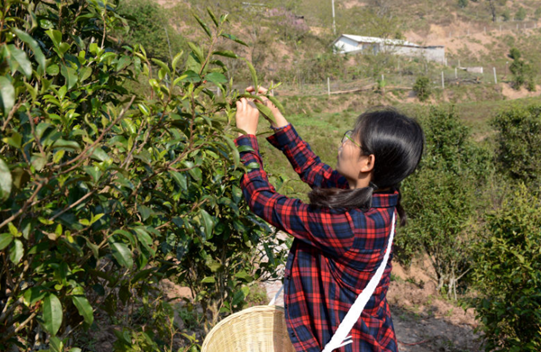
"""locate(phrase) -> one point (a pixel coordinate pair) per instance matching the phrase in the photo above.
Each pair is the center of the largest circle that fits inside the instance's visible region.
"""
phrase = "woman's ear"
(367, 163)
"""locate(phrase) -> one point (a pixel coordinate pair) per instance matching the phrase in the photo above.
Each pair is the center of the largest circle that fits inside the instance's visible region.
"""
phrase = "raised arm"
(327, 229)
(305, 162)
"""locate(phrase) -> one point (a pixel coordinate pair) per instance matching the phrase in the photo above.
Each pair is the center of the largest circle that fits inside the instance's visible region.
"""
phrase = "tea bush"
(104, 191)
(508, 274)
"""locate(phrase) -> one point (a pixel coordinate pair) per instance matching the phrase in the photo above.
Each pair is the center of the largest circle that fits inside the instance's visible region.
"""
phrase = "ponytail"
(359, 198)
(342, 198)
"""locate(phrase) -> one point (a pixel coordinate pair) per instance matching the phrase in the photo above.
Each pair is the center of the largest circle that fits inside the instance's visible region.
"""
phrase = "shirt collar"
(385, 200)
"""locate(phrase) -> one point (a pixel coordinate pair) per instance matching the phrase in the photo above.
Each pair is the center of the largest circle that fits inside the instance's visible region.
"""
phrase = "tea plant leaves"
(7, 95)
(52, 314)
(84, 308)
(5, 180)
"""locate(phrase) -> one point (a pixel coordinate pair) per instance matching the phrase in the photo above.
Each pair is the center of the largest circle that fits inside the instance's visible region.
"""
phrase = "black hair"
(397, 142)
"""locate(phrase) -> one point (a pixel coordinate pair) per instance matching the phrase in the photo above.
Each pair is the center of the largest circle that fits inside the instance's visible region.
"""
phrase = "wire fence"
(444, 79)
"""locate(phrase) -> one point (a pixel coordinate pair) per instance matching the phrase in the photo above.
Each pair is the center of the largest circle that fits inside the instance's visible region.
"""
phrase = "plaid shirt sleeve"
(327, 229)
(308, 165)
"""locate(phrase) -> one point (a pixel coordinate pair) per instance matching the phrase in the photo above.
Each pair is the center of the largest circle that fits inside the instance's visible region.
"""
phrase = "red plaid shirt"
(334, 254)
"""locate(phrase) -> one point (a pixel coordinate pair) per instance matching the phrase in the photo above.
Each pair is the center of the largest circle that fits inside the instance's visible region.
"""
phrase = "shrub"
(506, 15)
(520, 15)
(463, 3)
(422, 88)
(104, 192)
(151, 29)
(442, 198)
(507, 274)
(518, 148)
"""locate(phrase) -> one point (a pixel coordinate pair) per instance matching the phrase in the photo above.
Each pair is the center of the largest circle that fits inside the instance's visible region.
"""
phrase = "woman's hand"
(278, 117)
(247, 116)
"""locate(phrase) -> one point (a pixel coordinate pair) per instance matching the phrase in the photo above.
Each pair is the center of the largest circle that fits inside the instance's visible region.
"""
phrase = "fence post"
(495, 78)
(329, 86)
(218, 91)
(485, 30)
(458, 63)
(456, 73)
(442, 80)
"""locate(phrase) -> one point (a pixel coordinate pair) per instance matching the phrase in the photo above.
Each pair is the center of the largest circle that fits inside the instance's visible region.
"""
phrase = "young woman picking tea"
(342, 236)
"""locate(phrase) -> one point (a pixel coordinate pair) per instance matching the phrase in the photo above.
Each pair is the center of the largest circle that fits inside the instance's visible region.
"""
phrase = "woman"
(341, 236)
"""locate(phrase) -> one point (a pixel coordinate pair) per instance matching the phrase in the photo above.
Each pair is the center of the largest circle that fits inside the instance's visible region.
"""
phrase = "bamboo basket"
(256, 329)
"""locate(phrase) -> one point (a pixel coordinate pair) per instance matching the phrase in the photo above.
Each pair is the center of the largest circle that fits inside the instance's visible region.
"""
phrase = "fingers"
(261, 90)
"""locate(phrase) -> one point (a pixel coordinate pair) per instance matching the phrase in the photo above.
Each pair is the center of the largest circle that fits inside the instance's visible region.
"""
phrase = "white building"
(347, 43)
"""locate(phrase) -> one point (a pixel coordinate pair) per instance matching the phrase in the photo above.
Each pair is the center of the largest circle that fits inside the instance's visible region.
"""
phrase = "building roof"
(361, 39)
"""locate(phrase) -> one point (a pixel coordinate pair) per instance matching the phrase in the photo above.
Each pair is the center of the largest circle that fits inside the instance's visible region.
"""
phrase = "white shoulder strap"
(340, 337)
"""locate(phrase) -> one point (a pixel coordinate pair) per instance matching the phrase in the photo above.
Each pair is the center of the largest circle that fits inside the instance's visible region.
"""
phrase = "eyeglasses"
(347, 136)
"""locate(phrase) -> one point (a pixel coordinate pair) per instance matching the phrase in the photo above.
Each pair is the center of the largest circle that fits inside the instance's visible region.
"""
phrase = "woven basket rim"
(261, 308)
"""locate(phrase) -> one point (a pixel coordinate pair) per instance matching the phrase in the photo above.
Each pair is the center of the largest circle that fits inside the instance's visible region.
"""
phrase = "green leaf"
(38, 161)
(7, 95)
(55, 35)
(180, 179)
(6, 181)
(162, 65)
(16, 251)
(188, 76)
(34, 46)
(100, 155)
(70, 75)
(176, 59)
(62, 143)
(253, 73)
(208, 280)
(145, 212)
(21, 59)
(52, 314)
(226, 53)
(203, 25)
(208, 223)
(234, 151)
(216, 78)
(266, 111)
(15, 140)
(277, 103)
(5, 240)
(212, 16)
(122, 63)
(233, 38)
(84, 308)
(122, 254)
(197, 51)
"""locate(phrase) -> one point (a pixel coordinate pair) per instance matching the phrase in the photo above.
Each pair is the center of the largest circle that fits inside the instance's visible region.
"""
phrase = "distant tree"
(462, 3)
(537, 14)
(520, 15)
(492, 9)
(514, 54)
(518, 143)
(522, 71)
(422, 88)
(506, 15)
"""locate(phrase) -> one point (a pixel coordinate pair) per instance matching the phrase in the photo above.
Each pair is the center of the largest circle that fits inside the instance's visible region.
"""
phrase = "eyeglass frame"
(347, 136)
